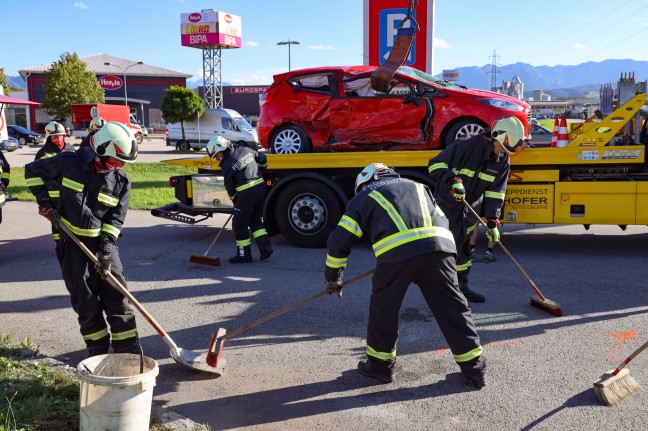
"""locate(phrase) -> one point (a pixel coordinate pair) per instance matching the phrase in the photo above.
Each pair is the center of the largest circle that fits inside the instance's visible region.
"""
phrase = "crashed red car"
(335, 109)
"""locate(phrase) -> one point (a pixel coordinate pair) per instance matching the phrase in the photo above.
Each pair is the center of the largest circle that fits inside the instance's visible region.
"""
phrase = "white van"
(214, 122)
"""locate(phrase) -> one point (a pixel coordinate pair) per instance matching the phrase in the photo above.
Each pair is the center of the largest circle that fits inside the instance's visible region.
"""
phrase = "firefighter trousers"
(249, 217)
(461, 224)
(92, 297)
(435, 275)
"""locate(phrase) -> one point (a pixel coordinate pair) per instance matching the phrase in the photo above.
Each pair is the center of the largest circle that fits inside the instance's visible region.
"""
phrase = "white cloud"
(80, 5)
(321, 47)
(579, 46)
(252, 43)
(440, 43)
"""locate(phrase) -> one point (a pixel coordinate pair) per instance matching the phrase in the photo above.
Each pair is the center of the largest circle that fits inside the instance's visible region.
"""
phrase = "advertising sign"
(381, 21)
(210, 29)
(451, 75)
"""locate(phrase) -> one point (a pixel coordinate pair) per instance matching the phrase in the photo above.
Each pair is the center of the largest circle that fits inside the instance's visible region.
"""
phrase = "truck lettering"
(526, 201)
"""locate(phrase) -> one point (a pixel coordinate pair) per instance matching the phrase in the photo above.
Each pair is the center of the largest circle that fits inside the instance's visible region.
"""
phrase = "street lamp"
(124, 71)
(289, 42)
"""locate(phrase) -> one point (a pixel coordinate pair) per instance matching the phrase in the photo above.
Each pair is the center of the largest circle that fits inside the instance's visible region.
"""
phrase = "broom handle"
(630, 358)
(472, 210)
(292, 307)
(218, 234)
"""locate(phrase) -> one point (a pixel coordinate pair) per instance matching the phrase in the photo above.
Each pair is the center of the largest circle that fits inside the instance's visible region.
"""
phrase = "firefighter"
(242, 171)
(54, 144)
(5, 170)
(412, 244)
(93, 204)
(95, 124)
(475, 170)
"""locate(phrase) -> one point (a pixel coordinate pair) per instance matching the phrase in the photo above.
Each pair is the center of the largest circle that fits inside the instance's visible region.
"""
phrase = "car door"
(366, 116)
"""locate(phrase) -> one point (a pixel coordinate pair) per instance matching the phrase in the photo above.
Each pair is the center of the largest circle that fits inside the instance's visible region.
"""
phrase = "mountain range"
(557, 81)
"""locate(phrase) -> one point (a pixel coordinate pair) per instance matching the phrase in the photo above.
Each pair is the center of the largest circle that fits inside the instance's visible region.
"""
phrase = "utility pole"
(494, 72)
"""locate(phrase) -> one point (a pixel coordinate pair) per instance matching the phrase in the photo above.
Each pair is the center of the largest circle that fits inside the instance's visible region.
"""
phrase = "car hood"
(474, 92)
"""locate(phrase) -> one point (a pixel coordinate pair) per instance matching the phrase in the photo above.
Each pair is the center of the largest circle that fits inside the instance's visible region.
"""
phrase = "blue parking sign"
(389, 21)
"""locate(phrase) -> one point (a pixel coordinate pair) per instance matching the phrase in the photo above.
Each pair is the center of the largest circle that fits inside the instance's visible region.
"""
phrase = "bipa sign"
(110, 82)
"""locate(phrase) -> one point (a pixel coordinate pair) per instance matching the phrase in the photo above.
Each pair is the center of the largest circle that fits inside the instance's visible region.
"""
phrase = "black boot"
(470, 294)
(243, 255)
(381, 370)
(474, 372)
(265, 247)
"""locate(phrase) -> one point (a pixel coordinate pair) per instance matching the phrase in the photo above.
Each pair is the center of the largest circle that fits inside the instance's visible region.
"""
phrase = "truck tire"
(289, 139)
(462, 130)
(183, 145)
(306, 213)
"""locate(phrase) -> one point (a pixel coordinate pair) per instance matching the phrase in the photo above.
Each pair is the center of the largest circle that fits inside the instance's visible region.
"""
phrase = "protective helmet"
(216, 145)
(96, 124)
(53, 128)
(368, 174)
(510, 133)
(114, 140)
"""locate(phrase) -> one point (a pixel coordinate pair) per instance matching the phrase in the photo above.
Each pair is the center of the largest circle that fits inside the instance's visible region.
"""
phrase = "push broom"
(615, 386)
(184, 357)
(219, 338)
(203, 258)
(537, 301)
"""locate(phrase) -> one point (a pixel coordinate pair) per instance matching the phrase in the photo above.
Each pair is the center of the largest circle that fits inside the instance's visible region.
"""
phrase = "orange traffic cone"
(554, 135)
(563, 134)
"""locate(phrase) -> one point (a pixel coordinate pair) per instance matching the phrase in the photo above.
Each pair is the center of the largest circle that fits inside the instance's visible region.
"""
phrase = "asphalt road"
(298, 372)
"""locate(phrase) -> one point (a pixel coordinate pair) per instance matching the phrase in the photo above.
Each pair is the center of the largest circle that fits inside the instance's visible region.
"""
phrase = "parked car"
(335, 108)
(24, 136)
(540, 135)
(11, 144)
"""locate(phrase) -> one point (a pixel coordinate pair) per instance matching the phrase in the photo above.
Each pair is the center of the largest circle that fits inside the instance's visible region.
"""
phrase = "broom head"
(205, 260)
(611, 390)
(216, 348)
(547, 305)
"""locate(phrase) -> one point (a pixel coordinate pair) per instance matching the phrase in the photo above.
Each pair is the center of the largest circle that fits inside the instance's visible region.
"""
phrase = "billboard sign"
(451, 75)
(210, 29)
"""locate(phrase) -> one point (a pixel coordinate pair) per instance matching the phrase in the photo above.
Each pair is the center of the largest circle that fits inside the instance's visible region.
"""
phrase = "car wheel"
(306, 213)
(183, 145)
(290, 140)
(463, 130)
(22, 141)
(139, 138)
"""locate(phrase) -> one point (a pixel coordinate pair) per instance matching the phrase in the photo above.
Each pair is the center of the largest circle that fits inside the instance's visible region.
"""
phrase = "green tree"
(4, 82)
(68, 82)
(180, 104)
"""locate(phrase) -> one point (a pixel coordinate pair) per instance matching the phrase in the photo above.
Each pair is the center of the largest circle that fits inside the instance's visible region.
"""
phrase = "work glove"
(47, 211)
(103, 268)
(492, 233)
(333, 287)
(457, 189)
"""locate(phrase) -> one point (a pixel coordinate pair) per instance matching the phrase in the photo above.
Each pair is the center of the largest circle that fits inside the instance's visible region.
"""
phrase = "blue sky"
(546, 32)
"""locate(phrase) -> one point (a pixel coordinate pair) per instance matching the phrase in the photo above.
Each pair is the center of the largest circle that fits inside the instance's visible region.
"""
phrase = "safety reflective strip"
(90, 233)
(243, 242)
(436, 166)
(336, 262)
(111, 201)
(391, 211)
(2, 198)
(262, 165)
(47, 155)
(97, 335)
(70, 184)
(471, 228)
(119, 336)
(400, 238)
(107, 228)
(249, 184)
(465, 172)
(233, 196)
(56, 236)
(351, 225)
(464, 266)
(258, 233)
(495, 195)
(383, 356)
(34, 181)
(486, 177)
(425, 210)
(474, 353)
(5, 175)
(54, 194)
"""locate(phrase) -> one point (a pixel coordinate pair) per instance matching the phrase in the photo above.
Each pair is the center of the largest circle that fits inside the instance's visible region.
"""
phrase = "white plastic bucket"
(114, 394)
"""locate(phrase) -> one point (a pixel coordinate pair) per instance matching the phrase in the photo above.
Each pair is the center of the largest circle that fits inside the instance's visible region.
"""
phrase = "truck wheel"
(306, 213)
(290, 139)
(462, 130)
(183, 145)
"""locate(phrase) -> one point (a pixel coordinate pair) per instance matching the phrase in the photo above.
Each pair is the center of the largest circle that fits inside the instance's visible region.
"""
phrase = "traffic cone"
(554, 135)
(563, 134)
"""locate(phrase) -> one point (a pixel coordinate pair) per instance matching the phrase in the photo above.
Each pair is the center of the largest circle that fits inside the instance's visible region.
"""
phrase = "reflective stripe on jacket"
(242, 169)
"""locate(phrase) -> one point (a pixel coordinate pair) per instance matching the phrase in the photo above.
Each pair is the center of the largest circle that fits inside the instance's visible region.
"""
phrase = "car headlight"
(502, 104)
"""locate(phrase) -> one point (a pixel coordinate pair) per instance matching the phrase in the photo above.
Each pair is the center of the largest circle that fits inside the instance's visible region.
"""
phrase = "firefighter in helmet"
(95, 124)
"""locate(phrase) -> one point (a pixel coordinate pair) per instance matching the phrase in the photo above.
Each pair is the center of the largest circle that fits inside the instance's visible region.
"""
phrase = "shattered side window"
(318, 82)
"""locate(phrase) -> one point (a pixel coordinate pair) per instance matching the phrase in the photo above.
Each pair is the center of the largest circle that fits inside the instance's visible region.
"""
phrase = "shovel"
(188, 358)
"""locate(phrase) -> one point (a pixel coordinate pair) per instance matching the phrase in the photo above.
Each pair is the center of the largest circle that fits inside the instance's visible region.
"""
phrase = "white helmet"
(96, 123)
(216, 145)
(53, 128)
(114, 140)
(368, 174)
(510, 133)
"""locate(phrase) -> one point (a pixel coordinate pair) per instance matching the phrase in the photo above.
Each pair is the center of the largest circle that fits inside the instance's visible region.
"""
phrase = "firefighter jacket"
(482, 172)
(242, 169)
(5, 169)
(400, 218)
(51, 150)
(91, 204)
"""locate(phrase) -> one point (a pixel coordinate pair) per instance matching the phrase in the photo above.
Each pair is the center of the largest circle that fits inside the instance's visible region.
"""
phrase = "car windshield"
(242, 123)
(21, 129)
(422, 76)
